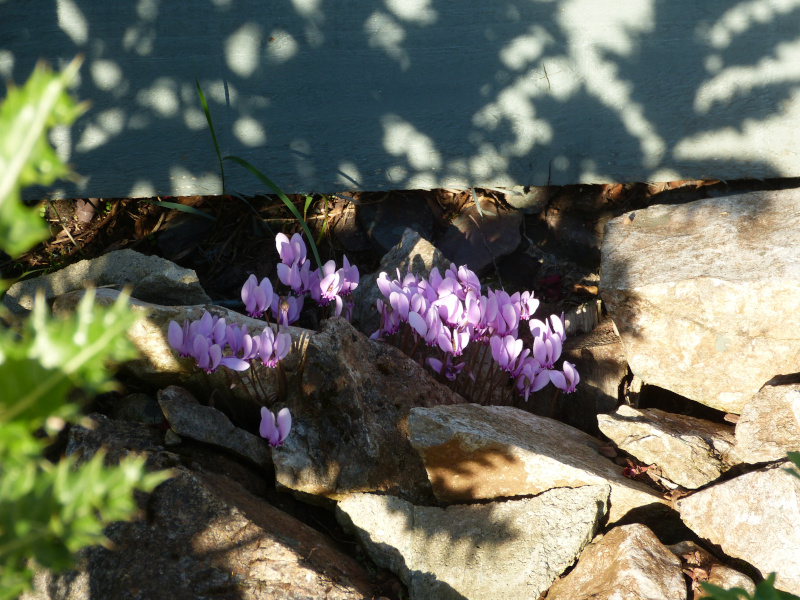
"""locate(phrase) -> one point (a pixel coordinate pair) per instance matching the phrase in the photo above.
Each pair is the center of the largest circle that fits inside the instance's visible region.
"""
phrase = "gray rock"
(690, 451)
(137, 408)
(201, 535)
(479, 242)
(512, 549)
(529, 199)
(208, 425)
(153, 279)
(704, 294)
(754, 517)
(413, 252)
(703, 567)
(385, 221)
(628, 562)
(476, 452)
(350, 431)
(769, 426)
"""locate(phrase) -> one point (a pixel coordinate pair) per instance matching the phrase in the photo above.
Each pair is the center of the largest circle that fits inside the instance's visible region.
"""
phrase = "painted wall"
(332, 95)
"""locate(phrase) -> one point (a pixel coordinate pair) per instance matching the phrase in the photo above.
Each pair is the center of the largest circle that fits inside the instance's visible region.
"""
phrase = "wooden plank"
(416, 93)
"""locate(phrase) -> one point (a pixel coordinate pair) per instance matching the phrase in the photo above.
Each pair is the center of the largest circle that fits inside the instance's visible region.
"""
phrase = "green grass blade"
(276, 190)
(211, 128)
(181, 207)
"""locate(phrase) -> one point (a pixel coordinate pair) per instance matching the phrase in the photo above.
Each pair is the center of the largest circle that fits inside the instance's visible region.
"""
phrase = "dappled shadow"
(417, 95)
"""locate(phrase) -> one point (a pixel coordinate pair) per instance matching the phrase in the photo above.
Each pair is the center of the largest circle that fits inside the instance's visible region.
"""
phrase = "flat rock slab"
(152, 278)
(628, 562)
(704, 294)
(755, 517)
(208, 425)
(688, 450)
(769, 426)
(492, 551)
(350, 427)
(474, 452)
(202, 536)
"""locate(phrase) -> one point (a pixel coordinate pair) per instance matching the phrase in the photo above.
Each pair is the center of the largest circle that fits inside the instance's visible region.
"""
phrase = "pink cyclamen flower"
(291, 251)
(505, 351)
(566, 380)
(273, 348)
(181, 338)
(275, 430)
(257, 297)
(208, 355)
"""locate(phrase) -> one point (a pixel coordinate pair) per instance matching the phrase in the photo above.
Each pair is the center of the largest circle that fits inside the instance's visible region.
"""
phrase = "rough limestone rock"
(160, 366)
(153, 279)
(201, 535)
(474, 452)
(628, 562)
(414, 252)
(770, 425)
(688, 450)
(350, 428)
(755, 517)
(492, 551)
(704, 294)
(208, 425)
(703, 567)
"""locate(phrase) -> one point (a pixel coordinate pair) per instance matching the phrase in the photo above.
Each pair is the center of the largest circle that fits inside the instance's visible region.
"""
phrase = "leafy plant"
(49, 511)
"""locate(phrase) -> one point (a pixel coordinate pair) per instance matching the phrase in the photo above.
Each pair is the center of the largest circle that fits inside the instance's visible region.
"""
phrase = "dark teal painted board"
(325, 96)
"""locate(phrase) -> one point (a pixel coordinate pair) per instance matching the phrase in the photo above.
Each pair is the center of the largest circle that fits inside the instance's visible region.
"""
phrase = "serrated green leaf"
(57, 354)
(26, 156)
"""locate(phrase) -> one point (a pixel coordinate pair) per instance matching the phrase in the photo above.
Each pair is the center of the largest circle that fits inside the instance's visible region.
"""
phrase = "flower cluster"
(448, 312)
(212, 344)
(325, 286)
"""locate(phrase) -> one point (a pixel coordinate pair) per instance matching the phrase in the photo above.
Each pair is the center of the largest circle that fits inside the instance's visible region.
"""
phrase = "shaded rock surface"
(754, 517)
(688, 450)
(628, 562)
(769, 426)
(494, 551)
(350, 433)
(704, 294)
(153, 279)
(701, 566)
(208, 425)
(203, 535)
(385, 222)
(480, 241)
(413, 252)
(474, 452)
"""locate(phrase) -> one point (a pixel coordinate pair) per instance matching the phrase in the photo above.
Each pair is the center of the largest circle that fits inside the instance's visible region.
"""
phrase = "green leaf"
(211, 128)
(53, 355)
(276, 190)
(181, 207)
(795, 458)
(26, 156)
